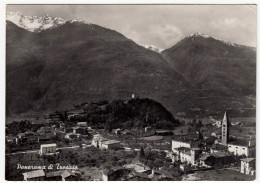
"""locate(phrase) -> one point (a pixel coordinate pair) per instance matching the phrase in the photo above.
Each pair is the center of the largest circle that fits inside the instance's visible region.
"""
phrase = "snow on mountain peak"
(35, 23)
(198, 34)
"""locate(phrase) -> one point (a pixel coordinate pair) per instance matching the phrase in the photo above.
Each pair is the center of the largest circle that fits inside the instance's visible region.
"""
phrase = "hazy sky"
(160, 25)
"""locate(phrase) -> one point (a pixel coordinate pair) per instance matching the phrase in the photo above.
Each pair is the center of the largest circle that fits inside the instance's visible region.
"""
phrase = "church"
(236, 146)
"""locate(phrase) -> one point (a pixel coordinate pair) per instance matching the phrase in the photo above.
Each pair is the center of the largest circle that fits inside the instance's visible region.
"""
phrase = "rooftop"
(54, 174)
(153, 138)
(186, 140)
(48, 145)
(67, 173)
(248, 160)
(34, 174)
(219, 154)
(164, 173)
(238, 142)
(219, 147)
(110, 142)
(184, 150)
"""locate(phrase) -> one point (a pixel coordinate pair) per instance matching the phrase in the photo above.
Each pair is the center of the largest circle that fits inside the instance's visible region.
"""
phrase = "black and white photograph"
(130, 92)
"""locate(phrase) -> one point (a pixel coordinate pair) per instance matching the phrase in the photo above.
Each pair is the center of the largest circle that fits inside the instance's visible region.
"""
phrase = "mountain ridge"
(36, 23)
(60, 67)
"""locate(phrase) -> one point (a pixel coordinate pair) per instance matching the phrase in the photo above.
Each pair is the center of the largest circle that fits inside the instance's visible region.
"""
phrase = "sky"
(160, 25)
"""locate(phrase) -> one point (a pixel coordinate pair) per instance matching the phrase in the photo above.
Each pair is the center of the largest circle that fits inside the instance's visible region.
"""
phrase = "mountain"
(54, 67)
(76, 62)
(153, 48)
(224, 72)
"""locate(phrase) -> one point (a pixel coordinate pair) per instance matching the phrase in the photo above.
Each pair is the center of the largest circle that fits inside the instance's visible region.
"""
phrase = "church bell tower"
(225, 129)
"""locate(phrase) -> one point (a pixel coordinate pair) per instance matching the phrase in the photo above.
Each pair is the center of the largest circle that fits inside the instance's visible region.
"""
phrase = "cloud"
(227, 23)
(166, 35)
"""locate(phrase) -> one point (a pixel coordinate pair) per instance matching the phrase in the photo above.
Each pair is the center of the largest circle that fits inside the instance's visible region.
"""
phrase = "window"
(224, 125)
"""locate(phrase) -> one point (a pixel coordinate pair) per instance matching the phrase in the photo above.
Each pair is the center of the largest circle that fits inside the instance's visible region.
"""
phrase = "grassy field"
(220, 175)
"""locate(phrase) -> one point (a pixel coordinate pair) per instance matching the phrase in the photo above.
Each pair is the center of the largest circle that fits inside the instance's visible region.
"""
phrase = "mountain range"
(55, 64)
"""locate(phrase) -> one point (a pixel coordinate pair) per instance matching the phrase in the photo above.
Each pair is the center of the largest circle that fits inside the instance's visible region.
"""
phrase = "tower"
(225, 129)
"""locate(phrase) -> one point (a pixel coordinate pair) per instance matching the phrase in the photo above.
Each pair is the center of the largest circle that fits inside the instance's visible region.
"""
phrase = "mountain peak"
(201, 35)
(35, 23)
(198, 34)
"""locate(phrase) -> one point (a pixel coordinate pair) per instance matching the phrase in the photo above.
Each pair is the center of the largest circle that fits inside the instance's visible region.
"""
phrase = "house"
(164, 132)
(126, 132)
(97, 139)
(218, 147)
(160, 175)
(80, 130)
(138, 167)
(69, 175)
(72, 136)
(10, 139)
(48, 149)
(54, 176)
(241, 147)
(82, 124)
(216, 159)
(118, 131)
(147, 129)
(136, 176)
(216, 134)
(36, 175)
(248, 166)
(45, 129)
(75, 111)
(104, 175)
(185, 167)
(184, 152)
(109, 144)
(115, 174)
(218, 124)
(27, 137)
(60, 134)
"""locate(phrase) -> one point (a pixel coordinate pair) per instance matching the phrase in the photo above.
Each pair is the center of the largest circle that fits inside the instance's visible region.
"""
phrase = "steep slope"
(224, 72)
(78, 62)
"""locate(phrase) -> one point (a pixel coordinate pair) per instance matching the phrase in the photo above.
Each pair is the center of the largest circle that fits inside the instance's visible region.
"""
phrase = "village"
(76, 150)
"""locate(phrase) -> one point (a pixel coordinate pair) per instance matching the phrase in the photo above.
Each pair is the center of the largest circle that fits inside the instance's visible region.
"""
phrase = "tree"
(141, 154)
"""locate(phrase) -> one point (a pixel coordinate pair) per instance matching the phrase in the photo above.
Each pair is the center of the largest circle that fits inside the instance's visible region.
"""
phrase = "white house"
(218, 124)
(183, 151)
(83, 124)
(178, 143)
(248, 166)
(118, 131)
(47, 149)
(97, 139)
(240, 147)
(148, 128)
(108, 144)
